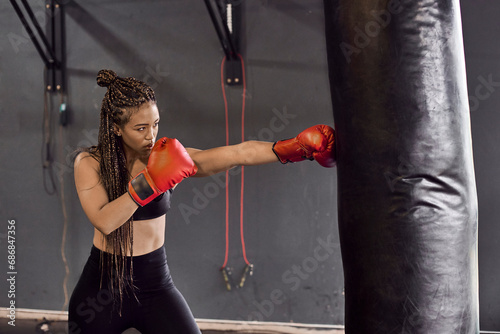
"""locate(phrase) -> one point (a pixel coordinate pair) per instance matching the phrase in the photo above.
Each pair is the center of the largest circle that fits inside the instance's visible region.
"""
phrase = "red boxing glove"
(168, 164)
(316, 142)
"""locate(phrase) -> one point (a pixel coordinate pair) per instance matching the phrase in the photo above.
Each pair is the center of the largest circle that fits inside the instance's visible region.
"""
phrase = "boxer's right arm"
(168, 164)
(106, 216)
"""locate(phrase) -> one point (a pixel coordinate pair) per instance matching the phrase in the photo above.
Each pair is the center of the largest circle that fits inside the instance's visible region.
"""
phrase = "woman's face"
(139, 133)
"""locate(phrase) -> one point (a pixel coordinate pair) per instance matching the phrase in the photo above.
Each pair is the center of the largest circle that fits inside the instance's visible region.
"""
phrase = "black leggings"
(159, 307)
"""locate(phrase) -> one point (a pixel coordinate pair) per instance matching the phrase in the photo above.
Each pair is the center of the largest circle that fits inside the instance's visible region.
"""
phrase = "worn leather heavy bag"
(407, 198)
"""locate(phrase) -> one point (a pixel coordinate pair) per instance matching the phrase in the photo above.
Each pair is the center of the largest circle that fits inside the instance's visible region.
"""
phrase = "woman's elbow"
(105, 229)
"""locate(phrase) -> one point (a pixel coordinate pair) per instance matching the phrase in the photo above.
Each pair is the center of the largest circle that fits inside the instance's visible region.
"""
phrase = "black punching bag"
(406, 188)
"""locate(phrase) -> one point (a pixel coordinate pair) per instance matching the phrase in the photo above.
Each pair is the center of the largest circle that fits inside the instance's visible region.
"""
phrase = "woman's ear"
(117, 130)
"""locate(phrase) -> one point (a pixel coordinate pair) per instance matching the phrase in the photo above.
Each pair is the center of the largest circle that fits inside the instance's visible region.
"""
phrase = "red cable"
(242, 167)
(227, 172)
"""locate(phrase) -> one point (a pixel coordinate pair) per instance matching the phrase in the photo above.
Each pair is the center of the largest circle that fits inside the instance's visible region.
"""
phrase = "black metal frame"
(50, 45)
(230, 42)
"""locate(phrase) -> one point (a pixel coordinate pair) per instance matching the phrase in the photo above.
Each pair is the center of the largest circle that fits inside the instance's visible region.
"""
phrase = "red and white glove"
(315, 143)
(168, 164)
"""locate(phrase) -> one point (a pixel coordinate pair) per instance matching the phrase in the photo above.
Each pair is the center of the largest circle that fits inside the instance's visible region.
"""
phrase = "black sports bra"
(154, 209)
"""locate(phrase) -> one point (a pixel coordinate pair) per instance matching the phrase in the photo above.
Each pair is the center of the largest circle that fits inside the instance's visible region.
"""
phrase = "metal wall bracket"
(226, 18)
(50, 44)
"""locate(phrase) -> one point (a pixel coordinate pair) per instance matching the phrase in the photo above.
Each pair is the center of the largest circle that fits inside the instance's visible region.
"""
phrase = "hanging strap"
(226, 271)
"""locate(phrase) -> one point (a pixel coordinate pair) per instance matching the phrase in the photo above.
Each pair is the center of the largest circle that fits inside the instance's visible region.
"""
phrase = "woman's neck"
(135, 162)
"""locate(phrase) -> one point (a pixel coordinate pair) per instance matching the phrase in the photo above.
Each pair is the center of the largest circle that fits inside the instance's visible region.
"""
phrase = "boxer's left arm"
(219, 159)
(314, 143)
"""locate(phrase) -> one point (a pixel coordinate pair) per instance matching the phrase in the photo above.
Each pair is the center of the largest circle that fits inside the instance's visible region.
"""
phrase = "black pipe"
(229, 39)
(228, 50)
(40, 32)
(53, 37)
(48, 63)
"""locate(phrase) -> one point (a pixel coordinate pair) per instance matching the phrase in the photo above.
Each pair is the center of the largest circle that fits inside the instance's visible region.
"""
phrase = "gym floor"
(55, 327)
(30, 326)
(27, 326)
(51, 327)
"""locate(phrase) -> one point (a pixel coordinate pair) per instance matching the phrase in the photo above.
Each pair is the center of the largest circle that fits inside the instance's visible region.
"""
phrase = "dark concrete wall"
(290, 211)
(482, 55)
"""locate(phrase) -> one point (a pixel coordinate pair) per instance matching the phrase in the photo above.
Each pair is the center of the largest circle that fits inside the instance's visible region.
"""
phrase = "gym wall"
(290, 211)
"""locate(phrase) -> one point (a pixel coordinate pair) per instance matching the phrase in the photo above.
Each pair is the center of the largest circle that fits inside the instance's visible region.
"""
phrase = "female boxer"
(125, 185)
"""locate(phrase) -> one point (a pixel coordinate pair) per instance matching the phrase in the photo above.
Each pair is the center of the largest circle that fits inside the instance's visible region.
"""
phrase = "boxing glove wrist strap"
(142, 190)
(290, 150)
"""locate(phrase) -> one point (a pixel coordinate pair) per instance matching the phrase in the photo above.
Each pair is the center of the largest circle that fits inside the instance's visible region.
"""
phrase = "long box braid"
(122, 98)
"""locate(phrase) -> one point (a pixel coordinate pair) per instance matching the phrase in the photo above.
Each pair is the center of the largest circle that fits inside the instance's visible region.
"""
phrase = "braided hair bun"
(105, 78)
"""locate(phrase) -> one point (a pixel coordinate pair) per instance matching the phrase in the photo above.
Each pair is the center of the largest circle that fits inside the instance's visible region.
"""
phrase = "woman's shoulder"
(86, 159)
(86, 170)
